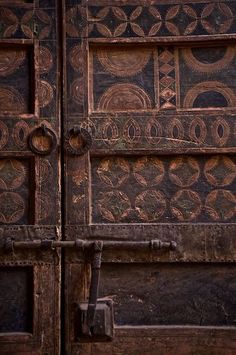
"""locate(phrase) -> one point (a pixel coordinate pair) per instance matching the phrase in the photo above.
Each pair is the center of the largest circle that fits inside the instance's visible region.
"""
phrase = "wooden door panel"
(153, 83)
(26, 307)
(163, 189)
(168, 341)
(29, 182)
(170, 294)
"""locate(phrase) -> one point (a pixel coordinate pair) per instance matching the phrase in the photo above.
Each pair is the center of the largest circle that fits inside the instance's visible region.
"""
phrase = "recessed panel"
(122, 79)
(207, 77)
(16, 80)
(16, 299)
(153, 189)
(15, 191)
(171, 294)
(142, 78)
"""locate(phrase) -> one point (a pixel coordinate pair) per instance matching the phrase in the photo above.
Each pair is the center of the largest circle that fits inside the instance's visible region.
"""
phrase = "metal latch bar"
(154, 244)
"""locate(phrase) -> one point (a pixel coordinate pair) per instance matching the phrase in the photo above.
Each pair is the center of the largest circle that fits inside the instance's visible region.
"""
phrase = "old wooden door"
(147, 167)
(153, 83)
(29, 177)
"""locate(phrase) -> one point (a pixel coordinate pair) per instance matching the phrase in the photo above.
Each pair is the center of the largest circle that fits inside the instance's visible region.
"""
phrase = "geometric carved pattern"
(12, 207)
(167, 78)
(128, 78)
(12, 174)
(4, 135)
(44, 173)
(208, 87)
(221, 205)
(186, 205)
(122, 78)
(146, 131)
(10, 61)
(220, 131)
(163, 20)
(205, 77)
(20, 134)
(157, 189)
(11, 100)
(201, 66)
(15, 74)
(122, 63)
(45, 93)
(220, 171)
(130, 96)
(45, 60)
(184, 171)
(14, 193)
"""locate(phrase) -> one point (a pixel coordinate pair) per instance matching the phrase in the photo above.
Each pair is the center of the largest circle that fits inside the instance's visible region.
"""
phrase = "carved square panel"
(16, 299)
(171, 189)
(15, 191)
(122, 78)
(17, 91)
(207, 77)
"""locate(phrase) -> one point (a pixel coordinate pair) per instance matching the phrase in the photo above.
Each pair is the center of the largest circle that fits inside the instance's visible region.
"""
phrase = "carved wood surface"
(29, 183)
(153, 83)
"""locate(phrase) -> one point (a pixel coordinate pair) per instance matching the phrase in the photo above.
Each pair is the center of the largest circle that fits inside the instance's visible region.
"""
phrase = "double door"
(117, 177)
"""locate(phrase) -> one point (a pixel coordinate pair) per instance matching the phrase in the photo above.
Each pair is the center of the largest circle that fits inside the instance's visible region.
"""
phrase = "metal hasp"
(95, 318)
(94, 321)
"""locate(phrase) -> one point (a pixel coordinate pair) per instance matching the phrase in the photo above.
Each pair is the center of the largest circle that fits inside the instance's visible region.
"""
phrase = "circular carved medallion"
(77, 91)
(44, 172)
(204, 66)
(220, 170)
(114, 206)
(123, 97)
(122, 62)
(184, 171)
(12, 174)
(148, 171)
(186, 205)
(45, 93)
(45, 60)
(12, 207)
(150, 205)
(11, 100)
(113, 172)
(221, 205)
(209, 86)
(10, 61)
(76, 59)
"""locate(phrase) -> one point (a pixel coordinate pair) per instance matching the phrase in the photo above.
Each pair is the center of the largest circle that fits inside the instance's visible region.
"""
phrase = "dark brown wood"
(171, 294)
(153, 83)
(168, 340)
(29, 183)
